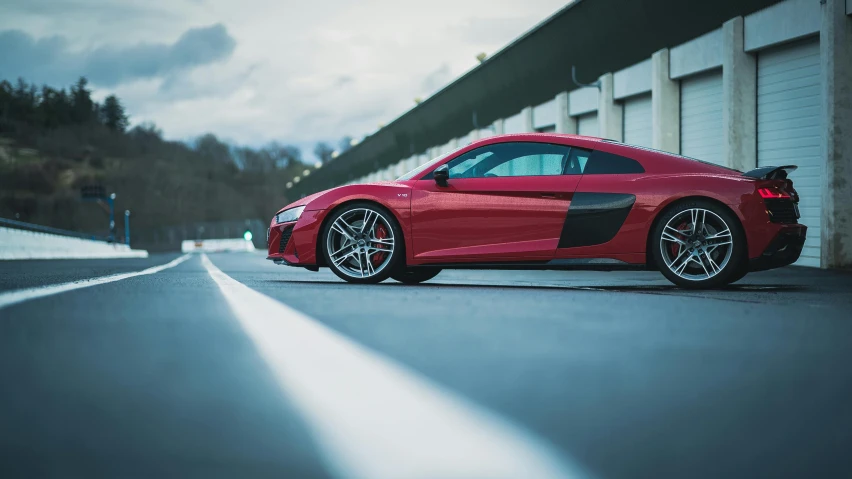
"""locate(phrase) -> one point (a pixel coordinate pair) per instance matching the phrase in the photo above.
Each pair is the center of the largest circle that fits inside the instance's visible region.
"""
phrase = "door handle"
(549, 195)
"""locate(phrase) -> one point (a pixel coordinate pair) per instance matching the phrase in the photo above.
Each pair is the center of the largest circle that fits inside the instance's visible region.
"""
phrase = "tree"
(6, 95)
(53, 107)
(281, 156)
(273, 156)
(23, 102)
(323, 151)
(345, 143)
(113, 115)
(210, 147)
(82, 107)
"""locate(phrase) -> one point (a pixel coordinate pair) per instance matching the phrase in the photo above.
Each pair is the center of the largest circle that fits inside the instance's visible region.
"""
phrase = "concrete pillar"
(527, 116)
(610, 112)
(499, 126)
(836, 67)
(739, 99)
(565, 123)
(665, 105)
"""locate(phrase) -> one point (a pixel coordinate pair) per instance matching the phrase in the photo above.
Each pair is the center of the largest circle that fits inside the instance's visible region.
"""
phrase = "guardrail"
(23, 241)
(217, 245)
(47, 229)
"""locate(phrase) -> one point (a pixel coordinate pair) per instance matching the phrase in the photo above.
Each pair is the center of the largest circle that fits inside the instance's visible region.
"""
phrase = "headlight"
(289, 215)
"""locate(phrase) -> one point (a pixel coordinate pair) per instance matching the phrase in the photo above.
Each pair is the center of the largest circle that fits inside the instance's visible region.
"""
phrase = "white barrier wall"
(216, 245)
(22, 244)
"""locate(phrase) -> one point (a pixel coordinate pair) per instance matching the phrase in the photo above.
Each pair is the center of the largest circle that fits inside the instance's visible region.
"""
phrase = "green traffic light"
(247, 235)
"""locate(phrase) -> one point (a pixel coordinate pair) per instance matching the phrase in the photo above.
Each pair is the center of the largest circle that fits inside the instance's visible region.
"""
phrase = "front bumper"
(294, 243)
(783, 250)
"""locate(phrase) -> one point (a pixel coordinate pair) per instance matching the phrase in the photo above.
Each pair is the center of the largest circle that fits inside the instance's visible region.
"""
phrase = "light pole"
(111, 201)
(127, 227)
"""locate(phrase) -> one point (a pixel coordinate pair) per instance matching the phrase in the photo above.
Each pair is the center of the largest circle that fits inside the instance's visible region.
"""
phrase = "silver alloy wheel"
(696, 244)
(356, 238)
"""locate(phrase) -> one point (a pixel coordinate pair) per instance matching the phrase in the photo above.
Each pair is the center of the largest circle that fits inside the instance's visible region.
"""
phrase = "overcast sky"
(253, 71)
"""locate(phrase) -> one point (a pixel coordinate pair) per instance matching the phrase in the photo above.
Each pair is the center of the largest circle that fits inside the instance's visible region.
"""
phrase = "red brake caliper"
(381, 233)
(674, 246)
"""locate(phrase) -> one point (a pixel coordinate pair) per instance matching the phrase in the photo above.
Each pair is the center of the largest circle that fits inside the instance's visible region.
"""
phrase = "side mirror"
(441, 175)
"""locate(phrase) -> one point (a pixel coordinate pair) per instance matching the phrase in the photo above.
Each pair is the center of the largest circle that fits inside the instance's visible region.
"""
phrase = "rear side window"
(602, 163)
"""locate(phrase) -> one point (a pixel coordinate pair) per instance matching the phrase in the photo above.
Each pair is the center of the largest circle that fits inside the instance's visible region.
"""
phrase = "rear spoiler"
(771, 172)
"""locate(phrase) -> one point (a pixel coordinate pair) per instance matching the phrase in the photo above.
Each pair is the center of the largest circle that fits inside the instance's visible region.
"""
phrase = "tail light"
(777, 189)
(772, 193)
(780, 200)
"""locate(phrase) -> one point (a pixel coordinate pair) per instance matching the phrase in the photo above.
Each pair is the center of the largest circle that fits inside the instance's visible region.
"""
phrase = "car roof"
(538, 137)
(650, 158)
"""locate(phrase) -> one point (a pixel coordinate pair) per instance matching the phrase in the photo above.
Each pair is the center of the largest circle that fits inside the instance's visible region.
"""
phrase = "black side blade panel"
(594, 218)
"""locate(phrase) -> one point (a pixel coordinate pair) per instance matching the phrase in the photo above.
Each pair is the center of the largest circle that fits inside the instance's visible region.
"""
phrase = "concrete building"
(771, 85)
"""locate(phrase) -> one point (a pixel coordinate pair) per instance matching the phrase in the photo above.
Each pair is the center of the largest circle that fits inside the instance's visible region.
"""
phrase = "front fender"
(393, 196)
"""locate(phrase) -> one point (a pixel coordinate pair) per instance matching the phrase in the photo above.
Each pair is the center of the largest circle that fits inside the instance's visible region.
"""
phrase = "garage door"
(588, 125)
(637, 121)
(789, 118)
(701, 117)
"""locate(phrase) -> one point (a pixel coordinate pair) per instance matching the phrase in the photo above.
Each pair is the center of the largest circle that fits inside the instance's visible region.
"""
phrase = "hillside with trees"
(55, 141)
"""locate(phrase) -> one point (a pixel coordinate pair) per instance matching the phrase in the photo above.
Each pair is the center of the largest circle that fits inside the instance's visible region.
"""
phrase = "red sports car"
(548, 201)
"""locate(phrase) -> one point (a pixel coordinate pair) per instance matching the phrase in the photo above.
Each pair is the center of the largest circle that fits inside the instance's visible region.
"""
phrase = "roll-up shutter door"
(588, 124)
(701, 117)
(637, 121)
(789, 119)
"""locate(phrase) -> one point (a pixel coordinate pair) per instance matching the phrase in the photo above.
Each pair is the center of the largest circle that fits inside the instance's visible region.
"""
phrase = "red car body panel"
(498, 219)
(520, 219)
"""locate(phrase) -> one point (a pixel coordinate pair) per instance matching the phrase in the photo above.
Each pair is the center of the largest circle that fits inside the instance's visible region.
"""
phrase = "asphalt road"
(178, 373)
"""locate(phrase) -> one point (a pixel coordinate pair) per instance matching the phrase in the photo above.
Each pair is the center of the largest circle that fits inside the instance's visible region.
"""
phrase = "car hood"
(339, 190)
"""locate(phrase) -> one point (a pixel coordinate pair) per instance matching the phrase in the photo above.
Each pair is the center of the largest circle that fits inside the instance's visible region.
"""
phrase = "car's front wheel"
(362, 243)
(699, 244)
(415, 275)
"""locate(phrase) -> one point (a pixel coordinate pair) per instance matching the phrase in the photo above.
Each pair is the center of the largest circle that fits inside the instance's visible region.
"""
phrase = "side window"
(602, 163)
(510, 159)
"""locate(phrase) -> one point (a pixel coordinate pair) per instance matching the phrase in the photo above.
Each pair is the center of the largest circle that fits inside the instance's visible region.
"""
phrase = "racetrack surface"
(235, 367)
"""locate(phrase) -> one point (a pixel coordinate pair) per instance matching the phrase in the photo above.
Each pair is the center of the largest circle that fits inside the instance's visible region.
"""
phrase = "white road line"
(17, 296)
(373, 418)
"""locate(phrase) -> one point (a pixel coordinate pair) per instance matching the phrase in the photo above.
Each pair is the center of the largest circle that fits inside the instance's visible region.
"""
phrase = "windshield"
(425, 166)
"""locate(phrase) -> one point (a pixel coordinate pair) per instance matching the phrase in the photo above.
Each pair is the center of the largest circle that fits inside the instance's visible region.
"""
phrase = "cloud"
(437, 79)
(491, 30)
(343, 80)
(51, 60)
(196, 83)
(284, 70)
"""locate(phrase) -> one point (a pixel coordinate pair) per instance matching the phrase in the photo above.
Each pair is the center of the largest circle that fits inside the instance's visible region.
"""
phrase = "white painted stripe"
(374, 418)
(13, 297)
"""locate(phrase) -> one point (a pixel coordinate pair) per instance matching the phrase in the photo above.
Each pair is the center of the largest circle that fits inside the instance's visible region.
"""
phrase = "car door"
(502, 202)
(607, 215)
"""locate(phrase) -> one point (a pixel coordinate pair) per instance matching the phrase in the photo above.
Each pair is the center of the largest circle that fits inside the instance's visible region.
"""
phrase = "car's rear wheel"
(415, 275)
(362, 243)
(699, 244)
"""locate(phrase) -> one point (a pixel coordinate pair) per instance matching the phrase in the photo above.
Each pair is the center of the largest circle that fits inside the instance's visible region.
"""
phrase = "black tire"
(688, 260)
(415, 275)
(386, 268)
(739, 274)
